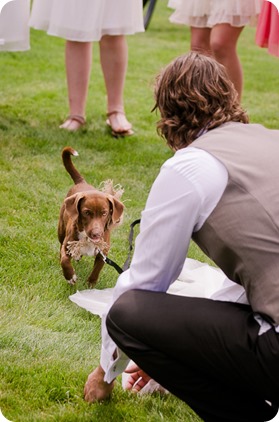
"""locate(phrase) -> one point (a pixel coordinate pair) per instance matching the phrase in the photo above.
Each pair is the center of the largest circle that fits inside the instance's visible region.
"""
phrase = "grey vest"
(242, 233)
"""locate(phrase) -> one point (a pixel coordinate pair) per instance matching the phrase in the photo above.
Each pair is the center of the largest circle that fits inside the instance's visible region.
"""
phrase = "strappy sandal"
(116, 132)
(73, 118)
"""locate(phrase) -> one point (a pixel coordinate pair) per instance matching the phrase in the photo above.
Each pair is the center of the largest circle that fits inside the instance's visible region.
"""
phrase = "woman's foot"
(119, 124)
(73, 123)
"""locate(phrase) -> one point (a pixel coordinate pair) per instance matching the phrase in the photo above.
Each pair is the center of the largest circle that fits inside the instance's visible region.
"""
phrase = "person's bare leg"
(200, 40)
(223, 43)
(78, 58)
(114, 61)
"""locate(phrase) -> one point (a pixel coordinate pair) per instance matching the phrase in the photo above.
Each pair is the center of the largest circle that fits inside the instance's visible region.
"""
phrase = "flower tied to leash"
(77, 248)
(107, 187)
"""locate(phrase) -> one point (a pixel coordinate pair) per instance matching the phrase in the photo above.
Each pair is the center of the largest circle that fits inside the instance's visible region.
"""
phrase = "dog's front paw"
(73, 280)
(91, 283)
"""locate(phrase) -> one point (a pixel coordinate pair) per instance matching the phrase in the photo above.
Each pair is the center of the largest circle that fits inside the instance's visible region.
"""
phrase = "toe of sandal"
(119, 131)
(73, 123)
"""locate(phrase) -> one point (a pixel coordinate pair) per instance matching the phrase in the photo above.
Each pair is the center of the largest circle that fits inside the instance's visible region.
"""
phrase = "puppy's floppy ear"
(117, 209)
(71, 204)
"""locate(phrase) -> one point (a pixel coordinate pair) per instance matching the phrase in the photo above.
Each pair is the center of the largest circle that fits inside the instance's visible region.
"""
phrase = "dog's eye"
(104, 213)
(87, 212)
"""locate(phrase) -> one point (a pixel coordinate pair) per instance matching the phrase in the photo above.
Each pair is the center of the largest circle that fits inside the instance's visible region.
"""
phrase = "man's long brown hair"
(194, 93)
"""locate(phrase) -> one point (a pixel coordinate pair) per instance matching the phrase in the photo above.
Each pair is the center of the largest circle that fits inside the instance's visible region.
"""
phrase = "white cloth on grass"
(197, 279)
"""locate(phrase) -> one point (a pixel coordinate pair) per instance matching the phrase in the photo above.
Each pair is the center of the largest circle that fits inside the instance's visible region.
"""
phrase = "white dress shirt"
(185, 192)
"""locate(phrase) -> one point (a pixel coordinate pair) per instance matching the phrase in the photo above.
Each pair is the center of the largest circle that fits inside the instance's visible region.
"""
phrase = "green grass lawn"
(48, 344)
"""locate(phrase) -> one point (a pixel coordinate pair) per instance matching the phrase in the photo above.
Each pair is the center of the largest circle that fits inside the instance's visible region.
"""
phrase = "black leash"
(128, 260)
(131, 237)
(111, 262)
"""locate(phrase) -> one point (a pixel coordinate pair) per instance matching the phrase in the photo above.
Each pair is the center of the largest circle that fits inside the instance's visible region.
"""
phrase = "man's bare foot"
(96, 389)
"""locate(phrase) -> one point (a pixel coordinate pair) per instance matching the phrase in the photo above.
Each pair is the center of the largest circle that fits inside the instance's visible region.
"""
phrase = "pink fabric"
(267, 34)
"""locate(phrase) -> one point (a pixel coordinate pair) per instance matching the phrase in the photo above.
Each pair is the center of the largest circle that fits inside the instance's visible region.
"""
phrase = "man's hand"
(137, 380)
(96, 389)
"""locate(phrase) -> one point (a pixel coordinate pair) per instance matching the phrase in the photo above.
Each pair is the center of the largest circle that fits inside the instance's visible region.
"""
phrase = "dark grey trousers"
(207, 353)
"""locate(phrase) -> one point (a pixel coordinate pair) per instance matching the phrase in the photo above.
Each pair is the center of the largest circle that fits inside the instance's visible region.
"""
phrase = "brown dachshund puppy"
(87, 217)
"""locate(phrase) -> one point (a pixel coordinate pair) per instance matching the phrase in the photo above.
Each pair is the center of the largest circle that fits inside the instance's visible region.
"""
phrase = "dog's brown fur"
(86, 213)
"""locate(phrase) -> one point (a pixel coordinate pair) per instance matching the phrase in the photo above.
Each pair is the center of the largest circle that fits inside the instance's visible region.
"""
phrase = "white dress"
(207, 13)
(87, 20)
(14, 29)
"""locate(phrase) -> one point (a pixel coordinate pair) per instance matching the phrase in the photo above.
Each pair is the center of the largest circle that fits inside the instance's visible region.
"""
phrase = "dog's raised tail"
(66, 157)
